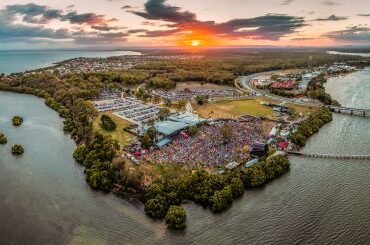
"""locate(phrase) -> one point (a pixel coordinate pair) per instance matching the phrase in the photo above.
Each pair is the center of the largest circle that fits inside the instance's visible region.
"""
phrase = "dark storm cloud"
(159, 33)
(158, 10)
(101, 38)
(33, 13)
(332, 18)
(269, 27)
(134, 31)
(303, 38)
(30, 9)
(86, 18)
(16, 32)
(39, 16)
(105, 27)
(355, 33)
(330, 3)
(127, 7)
(287, 2)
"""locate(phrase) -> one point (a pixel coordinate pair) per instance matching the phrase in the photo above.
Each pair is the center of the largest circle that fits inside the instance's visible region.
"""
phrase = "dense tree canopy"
(17, 121)
(311, 126)
(17, 150)
(201, 99)
(193, 130)
(316, 90)
(210, 190)
(146, 141)
(107, 123)
(176, 217)
(3, 139)
(163, 113)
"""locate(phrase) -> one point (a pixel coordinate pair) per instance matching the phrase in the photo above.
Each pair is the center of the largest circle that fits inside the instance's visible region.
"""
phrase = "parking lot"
(129, 108)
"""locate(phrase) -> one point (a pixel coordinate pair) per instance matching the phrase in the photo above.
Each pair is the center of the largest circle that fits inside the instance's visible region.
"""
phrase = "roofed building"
(259, 150)
(187, 118)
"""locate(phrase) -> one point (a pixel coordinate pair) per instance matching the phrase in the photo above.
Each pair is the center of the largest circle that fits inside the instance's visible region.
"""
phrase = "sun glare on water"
(195, 43)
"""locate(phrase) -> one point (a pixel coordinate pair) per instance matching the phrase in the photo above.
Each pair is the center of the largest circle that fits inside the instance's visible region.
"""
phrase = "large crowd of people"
(209, 148)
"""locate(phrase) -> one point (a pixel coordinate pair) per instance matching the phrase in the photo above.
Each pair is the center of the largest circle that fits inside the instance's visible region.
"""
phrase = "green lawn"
(119, 134)
(225, 108)
(233, 108)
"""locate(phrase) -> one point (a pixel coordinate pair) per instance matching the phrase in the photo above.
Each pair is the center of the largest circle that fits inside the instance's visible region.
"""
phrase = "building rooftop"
(187, 117)
(163, 142)
(169, 127)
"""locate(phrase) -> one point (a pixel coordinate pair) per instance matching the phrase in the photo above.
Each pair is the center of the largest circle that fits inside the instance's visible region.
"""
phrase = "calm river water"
(44, 197)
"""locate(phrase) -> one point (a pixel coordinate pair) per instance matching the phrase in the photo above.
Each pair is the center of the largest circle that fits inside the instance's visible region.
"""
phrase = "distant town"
(85, 65)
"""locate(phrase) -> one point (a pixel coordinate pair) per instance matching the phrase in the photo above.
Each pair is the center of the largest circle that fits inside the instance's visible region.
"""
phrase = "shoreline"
(45, 63)
(41, 93)
(247, 85)
(137, 199)
(334, 76)
(275, 205)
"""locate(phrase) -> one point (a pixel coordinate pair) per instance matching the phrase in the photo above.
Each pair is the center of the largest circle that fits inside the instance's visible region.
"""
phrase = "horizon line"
(220, 47)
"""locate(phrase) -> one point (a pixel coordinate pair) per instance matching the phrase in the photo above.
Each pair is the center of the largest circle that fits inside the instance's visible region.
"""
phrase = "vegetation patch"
(3, 139)
(97, 156)
(17, 121)
(17, 150)
(107, 123)
(119, 134)
(176, 217)
(237, 108)
(316, 90)
(310, 126)
(209, 190)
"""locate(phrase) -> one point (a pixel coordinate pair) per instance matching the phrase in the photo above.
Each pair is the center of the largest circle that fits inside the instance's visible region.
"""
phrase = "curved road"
(245, 83)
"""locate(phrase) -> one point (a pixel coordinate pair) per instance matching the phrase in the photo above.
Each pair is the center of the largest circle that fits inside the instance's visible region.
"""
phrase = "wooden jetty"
(351, 111)
(332, 156)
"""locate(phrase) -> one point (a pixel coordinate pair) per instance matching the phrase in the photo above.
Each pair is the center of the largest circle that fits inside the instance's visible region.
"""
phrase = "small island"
(17, 150)
(3, 139)
(17, 121)
(176, 218)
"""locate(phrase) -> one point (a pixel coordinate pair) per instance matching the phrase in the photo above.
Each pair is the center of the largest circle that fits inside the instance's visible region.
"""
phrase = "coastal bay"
(320, 200)
(20, 61)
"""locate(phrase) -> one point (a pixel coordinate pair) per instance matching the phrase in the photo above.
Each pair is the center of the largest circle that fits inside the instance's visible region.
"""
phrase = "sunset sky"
(127, 23)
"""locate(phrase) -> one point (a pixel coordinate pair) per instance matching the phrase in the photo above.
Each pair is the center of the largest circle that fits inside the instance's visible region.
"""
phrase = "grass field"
(301, 109)
(119, 134)
(237, 108)
(233, 108)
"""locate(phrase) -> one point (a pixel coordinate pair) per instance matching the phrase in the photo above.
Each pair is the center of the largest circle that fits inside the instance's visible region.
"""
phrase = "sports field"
(237, 108)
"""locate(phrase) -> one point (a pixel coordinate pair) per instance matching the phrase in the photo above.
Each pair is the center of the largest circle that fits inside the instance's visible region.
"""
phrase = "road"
(245, 83)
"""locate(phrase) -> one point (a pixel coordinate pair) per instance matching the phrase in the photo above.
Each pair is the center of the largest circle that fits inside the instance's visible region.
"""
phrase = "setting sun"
(195, 43)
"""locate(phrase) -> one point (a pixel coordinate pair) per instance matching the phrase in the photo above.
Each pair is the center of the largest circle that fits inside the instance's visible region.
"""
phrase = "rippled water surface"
(44, 198)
